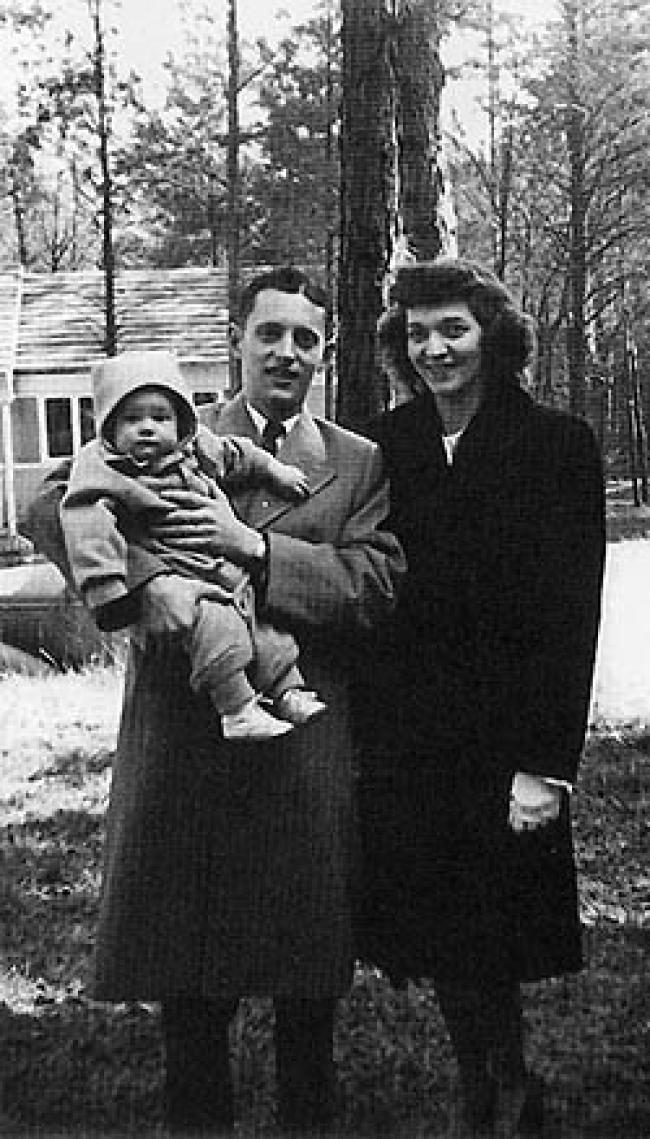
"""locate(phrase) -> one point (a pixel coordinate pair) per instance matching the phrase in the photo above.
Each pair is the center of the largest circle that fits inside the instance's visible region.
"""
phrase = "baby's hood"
(118, 376)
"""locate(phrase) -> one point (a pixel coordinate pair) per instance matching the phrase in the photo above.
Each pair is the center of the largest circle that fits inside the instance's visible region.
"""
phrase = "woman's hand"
(197, 526)
(533, 802)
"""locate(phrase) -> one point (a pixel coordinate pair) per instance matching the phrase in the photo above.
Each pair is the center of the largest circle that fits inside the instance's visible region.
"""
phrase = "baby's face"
(146, 424)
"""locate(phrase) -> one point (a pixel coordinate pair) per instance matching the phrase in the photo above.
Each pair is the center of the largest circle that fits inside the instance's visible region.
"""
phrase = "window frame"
(44, 456)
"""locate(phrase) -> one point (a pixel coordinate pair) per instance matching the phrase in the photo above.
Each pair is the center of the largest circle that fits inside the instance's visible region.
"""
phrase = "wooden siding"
(10, 296)
(61, 325)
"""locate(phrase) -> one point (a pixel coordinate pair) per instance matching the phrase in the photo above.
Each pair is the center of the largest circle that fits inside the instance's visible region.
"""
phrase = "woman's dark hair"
(507, 334)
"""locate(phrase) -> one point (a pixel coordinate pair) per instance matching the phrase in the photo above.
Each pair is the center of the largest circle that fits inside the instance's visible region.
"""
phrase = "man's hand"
(290, 481)
(533, 802)
(198, 528)
(169, 604)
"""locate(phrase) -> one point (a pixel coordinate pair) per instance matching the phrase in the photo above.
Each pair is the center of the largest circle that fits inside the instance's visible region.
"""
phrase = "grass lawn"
(624, 518)
(69, 1067)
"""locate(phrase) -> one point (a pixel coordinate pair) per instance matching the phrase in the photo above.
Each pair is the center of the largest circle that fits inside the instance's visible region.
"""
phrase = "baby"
(148, 443)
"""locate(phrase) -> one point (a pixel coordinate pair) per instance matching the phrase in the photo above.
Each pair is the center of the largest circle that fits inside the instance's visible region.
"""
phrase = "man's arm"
(347, 583)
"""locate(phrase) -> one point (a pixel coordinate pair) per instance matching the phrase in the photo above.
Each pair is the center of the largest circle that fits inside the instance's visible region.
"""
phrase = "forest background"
(332, 143)
(348, 136)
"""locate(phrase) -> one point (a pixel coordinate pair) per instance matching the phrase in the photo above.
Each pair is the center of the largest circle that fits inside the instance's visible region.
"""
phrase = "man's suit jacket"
(331, 565)
(228, 868)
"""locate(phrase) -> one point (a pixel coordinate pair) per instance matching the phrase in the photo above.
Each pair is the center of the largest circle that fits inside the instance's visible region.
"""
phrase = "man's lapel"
(303, 447)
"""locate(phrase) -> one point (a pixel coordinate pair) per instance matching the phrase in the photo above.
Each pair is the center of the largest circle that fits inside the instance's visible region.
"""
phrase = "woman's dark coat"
(485, 671)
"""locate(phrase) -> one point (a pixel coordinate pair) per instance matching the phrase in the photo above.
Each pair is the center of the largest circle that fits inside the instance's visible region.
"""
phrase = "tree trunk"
(492, 128)
(212, 223)
(577, 225)
(55, 242)
(74, 175)
(505, 186)
(420, 78)
(368, 200)
(330, 240)
(108, 253)
(640, 427)
(19, 223)
(390, 181)
(233, 185)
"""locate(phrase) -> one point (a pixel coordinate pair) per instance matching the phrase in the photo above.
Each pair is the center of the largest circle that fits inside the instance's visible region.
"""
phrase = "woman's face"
(444, 347)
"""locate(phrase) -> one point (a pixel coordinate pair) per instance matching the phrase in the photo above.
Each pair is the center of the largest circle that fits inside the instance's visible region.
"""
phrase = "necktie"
(273, 434)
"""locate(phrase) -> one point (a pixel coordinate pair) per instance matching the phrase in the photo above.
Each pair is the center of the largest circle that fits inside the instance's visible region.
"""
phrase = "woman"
(474, 730)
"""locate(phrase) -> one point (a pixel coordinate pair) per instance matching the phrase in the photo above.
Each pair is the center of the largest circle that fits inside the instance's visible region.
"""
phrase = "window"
(50, 428)
(86, 419)
(24, 425)
(58, 425)
(201, 398)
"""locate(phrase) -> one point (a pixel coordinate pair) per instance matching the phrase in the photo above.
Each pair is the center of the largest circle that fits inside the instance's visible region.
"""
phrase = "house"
(51, 334)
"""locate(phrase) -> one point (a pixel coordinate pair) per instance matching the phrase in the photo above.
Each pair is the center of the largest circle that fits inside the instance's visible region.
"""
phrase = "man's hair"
(507, 335)
(283, 279)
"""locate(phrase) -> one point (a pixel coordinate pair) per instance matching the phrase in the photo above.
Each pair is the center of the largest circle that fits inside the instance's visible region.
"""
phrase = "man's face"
(281, 346)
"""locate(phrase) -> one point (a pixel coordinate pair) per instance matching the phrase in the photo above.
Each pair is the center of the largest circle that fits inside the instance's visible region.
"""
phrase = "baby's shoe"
(298, 705)
(252, 723)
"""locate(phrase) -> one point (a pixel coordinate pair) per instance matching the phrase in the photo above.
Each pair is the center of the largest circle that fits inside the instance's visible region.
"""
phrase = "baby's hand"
(291, 480)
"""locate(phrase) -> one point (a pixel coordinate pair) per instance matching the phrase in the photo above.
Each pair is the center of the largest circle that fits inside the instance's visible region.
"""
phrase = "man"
(228, 867)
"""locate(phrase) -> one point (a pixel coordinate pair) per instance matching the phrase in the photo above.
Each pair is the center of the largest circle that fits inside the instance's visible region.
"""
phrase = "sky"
(461, 96)
(149, 29)
(147, 42)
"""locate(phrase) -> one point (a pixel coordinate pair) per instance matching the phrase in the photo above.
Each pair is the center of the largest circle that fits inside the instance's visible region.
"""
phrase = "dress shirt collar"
(450, 443)
(260, 420)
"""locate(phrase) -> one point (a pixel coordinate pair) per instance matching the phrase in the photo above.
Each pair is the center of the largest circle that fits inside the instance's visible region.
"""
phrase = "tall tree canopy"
(339, 164)
(296, 180)
(568, 188)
